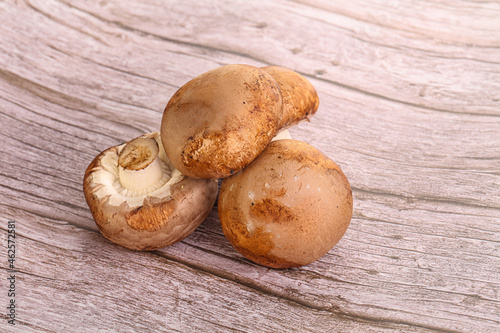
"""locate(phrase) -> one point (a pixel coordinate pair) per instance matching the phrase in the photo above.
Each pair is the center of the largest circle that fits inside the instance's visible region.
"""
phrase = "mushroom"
(218, 122)
(300, 99)
(139, 200)
(288, 207)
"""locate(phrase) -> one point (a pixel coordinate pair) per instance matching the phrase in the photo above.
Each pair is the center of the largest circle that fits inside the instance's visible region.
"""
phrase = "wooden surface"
(410, 109)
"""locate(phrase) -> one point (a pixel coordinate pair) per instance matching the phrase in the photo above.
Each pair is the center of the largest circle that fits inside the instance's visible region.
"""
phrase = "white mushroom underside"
(108, 182)
(282, 135)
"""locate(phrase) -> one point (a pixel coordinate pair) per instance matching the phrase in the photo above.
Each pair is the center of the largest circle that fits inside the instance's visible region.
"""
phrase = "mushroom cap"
(300, 99)
(146, 221)
(218, 122)
(288, 208)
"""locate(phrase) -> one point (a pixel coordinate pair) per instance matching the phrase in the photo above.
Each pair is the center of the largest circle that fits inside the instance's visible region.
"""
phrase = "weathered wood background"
(410, 109)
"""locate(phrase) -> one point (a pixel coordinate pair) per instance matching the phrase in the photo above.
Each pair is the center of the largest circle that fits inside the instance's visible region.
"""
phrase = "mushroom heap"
(282, 203)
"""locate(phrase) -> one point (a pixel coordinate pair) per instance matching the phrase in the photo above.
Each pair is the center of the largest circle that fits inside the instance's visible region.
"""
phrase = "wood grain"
(409, 108)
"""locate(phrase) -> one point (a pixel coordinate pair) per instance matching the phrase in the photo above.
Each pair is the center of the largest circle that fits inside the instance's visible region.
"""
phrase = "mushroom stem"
(139, 166)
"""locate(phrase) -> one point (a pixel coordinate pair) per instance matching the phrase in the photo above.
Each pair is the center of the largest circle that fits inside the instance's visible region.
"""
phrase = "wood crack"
(54, 97)
(55, 219)
(79, 56)
(38, 185)
(328, 309)
(36, 173)
(32, 195)
(28, 144)
(421, 198)
(63, 23)
(163, 38)
(398, 101)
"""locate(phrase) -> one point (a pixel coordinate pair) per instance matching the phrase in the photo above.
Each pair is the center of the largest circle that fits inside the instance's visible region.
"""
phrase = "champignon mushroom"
(218, 122)
(139, 200)
(300, 99)
(288, 207)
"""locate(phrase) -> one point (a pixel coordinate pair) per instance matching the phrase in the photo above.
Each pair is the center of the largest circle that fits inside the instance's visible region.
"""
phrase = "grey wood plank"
(409, 108)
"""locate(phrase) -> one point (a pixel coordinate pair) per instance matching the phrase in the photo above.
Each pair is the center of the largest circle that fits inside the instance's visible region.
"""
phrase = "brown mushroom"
(139, 200)
(218, 122)
(288, 208)
(300, 99)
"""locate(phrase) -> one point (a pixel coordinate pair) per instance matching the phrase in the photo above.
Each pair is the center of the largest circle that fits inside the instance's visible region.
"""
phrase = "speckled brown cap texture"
(288, 208)
(300, 99)
(218, 122)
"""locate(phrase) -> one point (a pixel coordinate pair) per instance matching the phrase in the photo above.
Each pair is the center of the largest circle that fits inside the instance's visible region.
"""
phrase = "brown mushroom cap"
(218, 122)
(288, 208)
(300, 99)
(146, 220)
